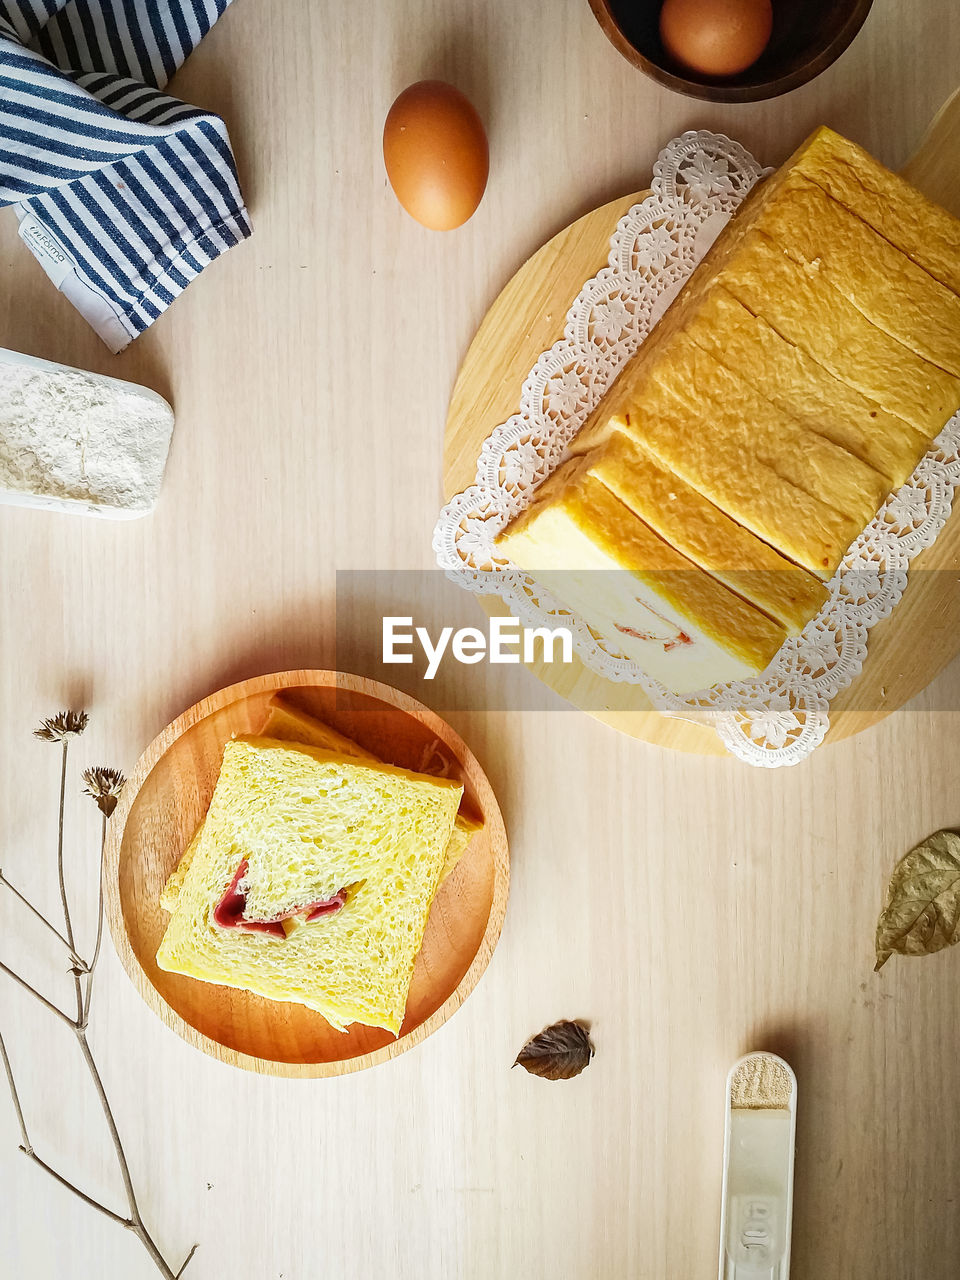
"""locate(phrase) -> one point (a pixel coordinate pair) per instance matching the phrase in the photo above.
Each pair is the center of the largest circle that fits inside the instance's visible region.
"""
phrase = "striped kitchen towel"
(123, 193)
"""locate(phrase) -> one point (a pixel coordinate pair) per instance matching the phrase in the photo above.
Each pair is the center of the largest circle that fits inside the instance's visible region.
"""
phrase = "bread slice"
(312, 826)
(703, 533)
(805, 529)
(725, 407)
(808, 311)
(290, 724)
(170, 893)
(286, 723)
(649, 602)
(917, 226)
(793, 381)
(783, 373)
(880, 281)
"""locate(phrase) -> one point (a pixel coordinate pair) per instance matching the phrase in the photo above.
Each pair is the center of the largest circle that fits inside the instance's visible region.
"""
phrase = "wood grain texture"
(906, 651)
(686, 907)
(167, 798)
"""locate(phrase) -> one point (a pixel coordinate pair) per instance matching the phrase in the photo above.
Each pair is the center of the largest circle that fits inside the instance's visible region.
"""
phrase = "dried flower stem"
(26, 1146)
(186, 1262)
(135, 1222)
(63, 888)
(65, 1182)
(104, 785)
(41, 917)
(96, 950)
(78, 991)
(16, 1096)
(47, 1004)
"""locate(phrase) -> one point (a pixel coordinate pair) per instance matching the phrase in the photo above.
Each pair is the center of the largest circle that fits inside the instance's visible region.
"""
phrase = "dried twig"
(61, 728)
(186, 1262)
(26, 1146)
(104, 785)
(96, 950)
(74, 958)
(15, 1096)
(47, 1004)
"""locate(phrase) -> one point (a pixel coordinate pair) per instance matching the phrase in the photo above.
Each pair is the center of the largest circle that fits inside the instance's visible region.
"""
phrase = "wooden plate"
(160, 809)
(906, 650)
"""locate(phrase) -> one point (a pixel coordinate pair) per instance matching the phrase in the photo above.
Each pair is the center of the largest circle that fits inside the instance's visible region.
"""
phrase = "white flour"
(69, 435)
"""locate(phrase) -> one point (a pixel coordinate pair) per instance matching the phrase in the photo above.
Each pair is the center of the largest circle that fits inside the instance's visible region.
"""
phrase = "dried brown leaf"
(559, 1052)
(922, 911)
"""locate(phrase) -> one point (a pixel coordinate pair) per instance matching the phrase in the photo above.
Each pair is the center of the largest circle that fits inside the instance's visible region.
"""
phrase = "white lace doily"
(779, 717)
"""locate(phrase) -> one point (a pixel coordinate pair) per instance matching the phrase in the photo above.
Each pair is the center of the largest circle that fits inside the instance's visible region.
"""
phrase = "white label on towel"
(46, 249)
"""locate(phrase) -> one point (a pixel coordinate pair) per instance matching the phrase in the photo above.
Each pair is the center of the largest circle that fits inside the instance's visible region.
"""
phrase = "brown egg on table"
(716, 37)
(435, 153)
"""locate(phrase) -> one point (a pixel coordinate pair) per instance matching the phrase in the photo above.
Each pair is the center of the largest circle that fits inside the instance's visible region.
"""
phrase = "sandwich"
(312, 876)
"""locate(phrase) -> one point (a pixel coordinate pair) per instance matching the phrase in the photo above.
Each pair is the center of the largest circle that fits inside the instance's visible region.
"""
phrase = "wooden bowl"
(168, 795)
(808, 35)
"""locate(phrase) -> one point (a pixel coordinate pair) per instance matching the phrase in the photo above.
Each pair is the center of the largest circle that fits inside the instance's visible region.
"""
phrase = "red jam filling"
(669, 642)
(229, 911)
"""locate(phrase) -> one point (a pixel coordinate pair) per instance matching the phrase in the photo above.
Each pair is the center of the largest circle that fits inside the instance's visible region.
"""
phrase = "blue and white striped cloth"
(123, 193)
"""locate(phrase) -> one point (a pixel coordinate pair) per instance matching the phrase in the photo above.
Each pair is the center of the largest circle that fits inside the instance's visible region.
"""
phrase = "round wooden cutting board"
(167, 797)
(906, 650)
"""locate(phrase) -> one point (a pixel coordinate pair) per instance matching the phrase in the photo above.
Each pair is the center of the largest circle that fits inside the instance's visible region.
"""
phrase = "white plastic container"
(758, 1152)
(79, 442)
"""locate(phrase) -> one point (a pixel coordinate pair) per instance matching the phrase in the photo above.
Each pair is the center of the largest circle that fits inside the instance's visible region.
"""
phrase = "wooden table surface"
(689, 908)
